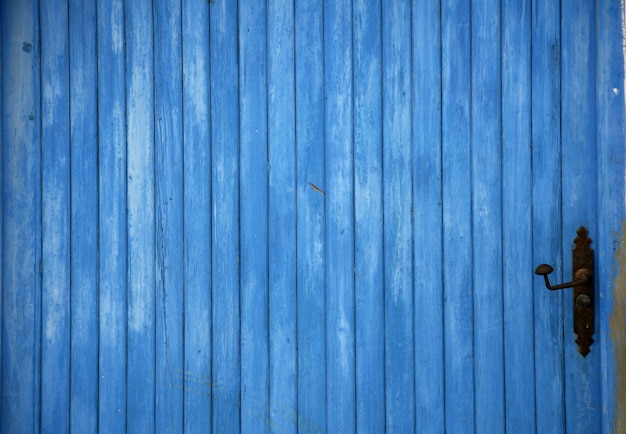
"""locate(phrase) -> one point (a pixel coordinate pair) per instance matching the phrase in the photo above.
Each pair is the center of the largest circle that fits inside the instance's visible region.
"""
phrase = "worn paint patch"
(618, 334)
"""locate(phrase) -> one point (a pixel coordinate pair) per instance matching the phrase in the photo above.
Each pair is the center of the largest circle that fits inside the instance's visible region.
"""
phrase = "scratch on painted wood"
(316, 188)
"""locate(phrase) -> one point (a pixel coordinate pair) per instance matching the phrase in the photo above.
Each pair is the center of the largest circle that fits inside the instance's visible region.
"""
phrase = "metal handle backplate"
(582, 265)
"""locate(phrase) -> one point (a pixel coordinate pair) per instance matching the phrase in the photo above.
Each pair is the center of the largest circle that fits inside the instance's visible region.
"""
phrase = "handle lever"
(582, 276)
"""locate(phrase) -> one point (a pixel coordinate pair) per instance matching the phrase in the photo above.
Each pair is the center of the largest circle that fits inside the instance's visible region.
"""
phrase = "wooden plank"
(1, 206)
(141, 218)
(517, 217)
(311, 209)
(547, 234)
(197, 224)
(457, 217)
(283, 398)
(397, 193)
(487, 216)
(21, 219)
(55, 297)
(578, 131)
(427, 217)
(253, 202)
(168, 168)
(610, 94)
(112, 217)
(338, 130)
(84, 217)
(368, 217)
(225, 377)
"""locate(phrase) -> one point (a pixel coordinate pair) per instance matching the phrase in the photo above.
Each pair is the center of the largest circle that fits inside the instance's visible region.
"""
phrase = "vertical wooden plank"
(21, 218)
(311, 209)
(368, 217)
(427, 217)
(197, 224)
(283, 404)
(84, 217)
(457, 217)
(225, 378)
(112, 217)
(487, 216)
(141, 218)
(253, 202)
(397, 193)
(578, 130)
(1, 209)
(55, 297)
(547, 233)
(610, 138)
(338, 141)
(517, 217)
(169, 214)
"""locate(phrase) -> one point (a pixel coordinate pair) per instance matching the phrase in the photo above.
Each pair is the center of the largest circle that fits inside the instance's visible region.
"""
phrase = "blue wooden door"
(309, 216)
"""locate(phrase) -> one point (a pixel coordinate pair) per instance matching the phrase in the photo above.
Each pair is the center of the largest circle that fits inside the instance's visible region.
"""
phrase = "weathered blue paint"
(427, 217)
(368, 217)
(546, 210)
(168, 168)
(225, 377)
(578, 131)
(55, 191)
(339, 199)
(112, 233)
(310, 215)
(84, 217)
(282, 219)
(397, 204)
(253, 223)
(197, 221)
(487, 227)
(21, 220)
(140, 163)
(610, 163)
(293, 216)
(519, 366)
(457, 288)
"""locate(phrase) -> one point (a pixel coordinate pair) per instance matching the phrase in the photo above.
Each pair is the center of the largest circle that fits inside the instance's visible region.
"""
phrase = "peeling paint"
(617, 326)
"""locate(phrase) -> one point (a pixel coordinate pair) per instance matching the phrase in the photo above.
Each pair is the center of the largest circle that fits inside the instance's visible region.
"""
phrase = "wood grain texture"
(55, 287)
(282, 219)
(339, 172)
(427, 216)
(457, 216)
(84, 217)
(486, 169)
(21, 219)
(578, 175)
(112, 216)
(253, 199)
(226, 368)
(397, 197)
(293, 216)
(610, 163)
(170, 284)
(547, 234)
(519, 367)
(196, 374)
(311, 210)
(368, 217)
(140, 371)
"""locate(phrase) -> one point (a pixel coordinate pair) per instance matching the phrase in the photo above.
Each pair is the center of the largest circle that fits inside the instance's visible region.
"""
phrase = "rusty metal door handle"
(582, 277)
(582, 264)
